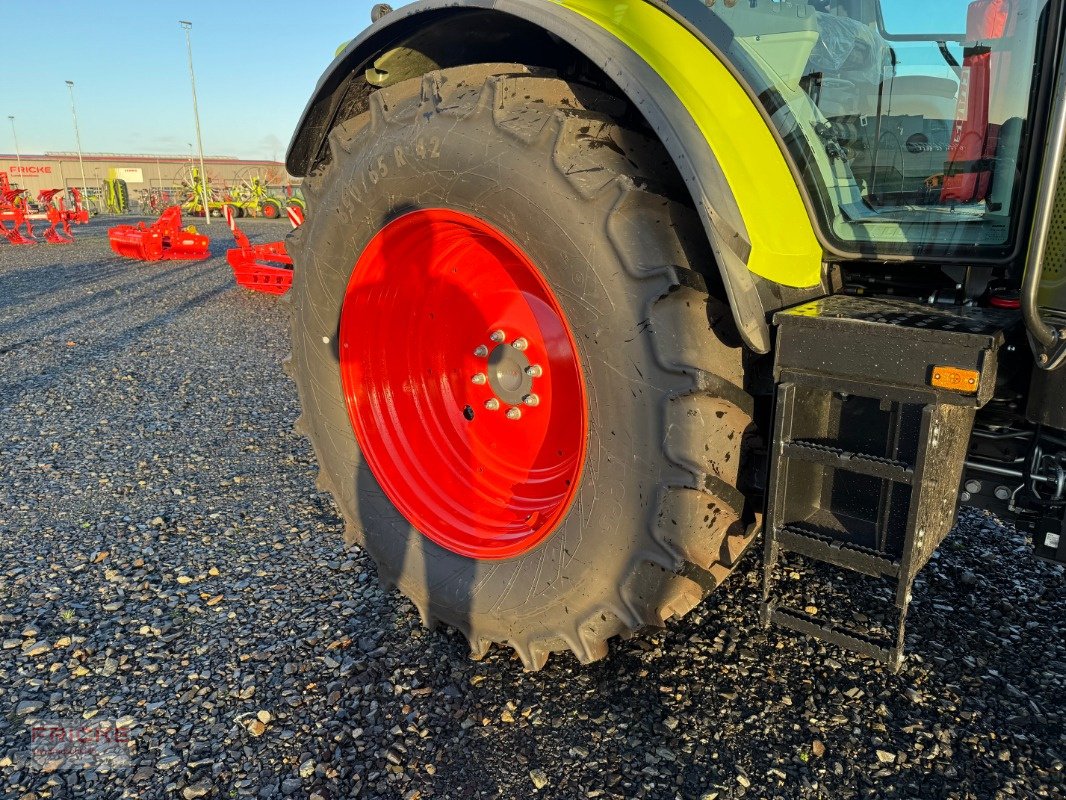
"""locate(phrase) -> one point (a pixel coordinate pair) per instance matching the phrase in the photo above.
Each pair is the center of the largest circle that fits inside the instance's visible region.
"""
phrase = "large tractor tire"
(524, 402)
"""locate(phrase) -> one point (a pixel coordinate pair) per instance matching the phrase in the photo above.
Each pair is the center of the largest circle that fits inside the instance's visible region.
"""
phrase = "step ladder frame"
(937, 466)
(877, 372)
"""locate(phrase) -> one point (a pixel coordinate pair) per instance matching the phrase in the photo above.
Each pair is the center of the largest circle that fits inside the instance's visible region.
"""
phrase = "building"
(140, 172)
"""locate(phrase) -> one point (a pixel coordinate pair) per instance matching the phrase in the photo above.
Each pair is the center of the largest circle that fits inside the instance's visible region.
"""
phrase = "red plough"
(14, 212)
(164, 240)
(55, 218)
(261, 267)
(59, 214)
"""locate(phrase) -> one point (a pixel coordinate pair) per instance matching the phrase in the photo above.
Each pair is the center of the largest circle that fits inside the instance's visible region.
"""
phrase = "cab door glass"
(909, 119)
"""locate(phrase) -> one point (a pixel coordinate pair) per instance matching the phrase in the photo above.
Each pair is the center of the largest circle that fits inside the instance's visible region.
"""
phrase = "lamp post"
(18, 156)
(187, 26)
(77, 138)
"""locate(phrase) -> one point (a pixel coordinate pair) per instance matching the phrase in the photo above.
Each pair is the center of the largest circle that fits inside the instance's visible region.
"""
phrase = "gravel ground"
(170, 564)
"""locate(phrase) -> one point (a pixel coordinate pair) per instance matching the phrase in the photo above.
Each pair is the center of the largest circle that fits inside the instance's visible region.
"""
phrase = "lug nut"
(479, 379)
(531, 400)
(492, 404)
(481, 351)
(498, 336)
(534, 371)
(519, 344)
(514, 413)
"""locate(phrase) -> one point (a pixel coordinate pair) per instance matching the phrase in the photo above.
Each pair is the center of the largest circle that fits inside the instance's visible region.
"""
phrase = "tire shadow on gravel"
(126, 294)
(101, 348)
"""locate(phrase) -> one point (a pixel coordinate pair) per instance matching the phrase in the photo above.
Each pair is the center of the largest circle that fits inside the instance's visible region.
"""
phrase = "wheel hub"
(463, 384)
(507, 374)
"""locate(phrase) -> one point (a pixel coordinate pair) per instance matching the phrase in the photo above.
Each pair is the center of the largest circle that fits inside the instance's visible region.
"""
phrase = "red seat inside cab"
(985, 68)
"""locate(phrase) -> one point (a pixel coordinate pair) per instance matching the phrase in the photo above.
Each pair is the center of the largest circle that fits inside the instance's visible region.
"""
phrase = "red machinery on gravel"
(11, 211)
(15, 209)
(261, 267)
(164, 240)
(58, 215)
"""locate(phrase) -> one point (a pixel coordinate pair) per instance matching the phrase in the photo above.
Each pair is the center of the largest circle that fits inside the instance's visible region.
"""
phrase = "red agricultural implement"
(15, 209)
(14, 212)
(164, 240)
(261, 267)
(58, 215)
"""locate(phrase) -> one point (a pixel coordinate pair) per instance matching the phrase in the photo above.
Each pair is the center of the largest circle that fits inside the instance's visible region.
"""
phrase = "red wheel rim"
(269, 211)
(463, 384)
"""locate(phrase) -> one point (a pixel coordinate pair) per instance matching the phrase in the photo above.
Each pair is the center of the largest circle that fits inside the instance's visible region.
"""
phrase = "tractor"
(596, 295)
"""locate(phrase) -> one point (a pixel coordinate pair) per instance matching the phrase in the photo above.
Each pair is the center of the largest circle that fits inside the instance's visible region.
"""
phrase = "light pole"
(187, 26)
(77, 138)
(18, 156)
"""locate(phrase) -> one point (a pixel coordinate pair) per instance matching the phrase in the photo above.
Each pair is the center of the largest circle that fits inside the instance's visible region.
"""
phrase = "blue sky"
(256, 65)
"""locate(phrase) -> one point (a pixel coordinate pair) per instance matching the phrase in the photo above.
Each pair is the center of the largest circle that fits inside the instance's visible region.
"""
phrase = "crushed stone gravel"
(169, 564)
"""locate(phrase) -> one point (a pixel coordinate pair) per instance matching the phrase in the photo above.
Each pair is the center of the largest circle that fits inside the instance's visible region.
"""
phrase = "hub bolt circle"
(531, 400)
(492, 404)
(498, 336)
(520, 344)
(479, 379)
(514, 413)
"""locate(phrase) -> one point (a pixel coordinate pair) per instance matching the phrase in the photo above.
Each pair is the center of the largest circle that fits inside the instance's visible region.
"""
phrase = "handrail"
(1042, 333)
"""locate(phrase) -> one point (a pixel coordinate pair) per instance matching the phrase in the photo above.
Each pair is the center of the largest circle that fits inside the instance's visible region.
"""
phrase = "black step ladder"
(875, 405)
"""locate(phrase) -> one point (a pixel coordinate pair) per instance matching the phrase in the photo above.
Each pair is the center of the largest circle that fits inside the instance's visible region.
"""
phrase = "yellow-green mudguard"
(784, 248)
(741, 183)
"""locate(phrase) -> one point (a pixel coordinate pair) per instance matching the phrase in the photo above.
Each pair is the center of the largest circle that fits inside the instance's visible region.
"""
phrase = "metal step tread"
(798, 538)
(875, 647)
(862, 463)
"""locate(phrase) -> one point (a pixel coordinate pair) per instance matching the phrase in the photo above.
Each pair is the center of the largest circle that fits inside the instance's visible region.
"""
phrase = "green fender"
(741, 183)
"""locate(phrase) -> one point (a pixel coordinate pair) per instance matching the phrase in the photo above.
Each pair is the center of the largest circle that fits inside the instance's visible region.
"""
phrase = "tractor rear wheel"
(524, 402)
